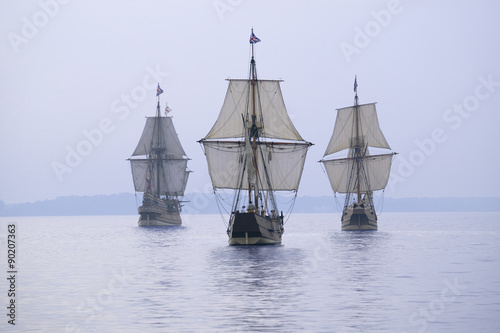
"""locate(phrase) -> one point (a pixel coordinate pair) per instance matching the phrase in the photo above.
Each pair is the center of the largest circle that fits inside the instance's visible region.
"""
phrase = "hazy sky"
(78, 77)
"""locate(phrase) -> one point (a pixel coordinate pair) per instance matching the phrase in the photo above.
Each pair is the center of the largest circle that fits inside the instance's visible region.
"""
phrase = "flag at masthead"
(253, 38)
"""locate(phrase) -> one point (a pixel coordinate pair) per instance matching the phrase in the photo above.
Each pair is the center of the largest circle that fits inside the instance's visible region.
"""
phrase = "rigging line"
(337, 202)
(290, 208)
(339, 207)
(273, 201)
(286, 202)
(349, 183)
(137, 201)
(242, 177)
(368, 195)
(219, 201)
(381, 204)
(219, 206)
(369, 192)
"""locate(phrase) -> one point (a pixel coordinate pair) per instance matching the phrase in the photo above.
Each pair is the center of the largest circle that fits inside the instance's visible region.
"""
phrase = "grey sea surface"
(420, 272)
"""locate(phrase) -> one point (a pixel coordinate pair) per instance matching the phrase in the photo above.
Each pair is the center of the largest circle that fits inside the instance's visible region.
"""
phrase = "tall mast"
(158, 140)
(357, 148)
(252, 42)
(253, 130)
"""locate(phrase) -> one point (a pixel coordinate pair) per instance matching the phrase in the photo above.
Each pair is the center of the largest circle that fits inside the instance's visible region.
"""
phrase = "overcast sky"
(78, 77)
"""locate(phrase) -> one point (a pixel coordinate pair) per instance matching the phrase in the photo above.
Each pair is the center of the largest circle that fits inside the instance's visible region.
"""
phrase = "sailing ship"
(159, 170)
(253, 150)
(360, 173)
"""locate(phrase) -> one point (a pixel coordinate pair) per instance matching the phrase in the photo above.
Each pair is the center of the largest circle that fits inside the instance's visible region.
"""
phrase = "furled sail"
(167, 139)
(173, 176)
(374, 168)
(344, 132)
(272, 118)
(283, 163)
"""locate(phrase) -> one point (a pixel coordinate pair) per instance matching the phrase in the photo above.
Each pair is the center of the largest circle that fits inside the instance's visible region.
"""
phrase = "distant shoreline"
(204, 203)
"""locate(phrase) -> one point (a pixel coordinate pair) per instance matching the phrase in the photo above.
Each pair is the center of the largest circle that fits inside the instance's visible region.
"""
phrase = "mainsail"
(375, 170)
(172, 181)
(284, 163)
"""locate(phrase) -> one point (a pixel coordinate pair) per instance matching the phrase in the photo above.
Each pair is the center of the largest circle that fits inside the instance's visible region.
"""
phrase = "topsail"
(271, 116)
(344, 133)
(159, 133)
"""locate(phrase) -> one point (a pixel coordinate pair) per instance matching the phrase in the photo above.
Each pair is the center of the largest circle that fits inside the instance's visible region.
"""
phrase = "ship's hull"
(254, 229)
(149, 218)
(357, 217)
(159, 212)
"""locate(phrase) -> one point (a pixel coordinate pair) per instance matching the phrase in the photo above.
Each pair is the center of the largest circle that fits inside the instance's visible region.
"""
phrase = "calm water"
(420, 272)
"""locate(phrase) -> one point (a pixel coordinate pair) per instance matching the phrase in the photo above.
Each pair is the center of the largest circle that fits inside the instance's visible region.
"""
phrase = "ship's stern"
(253, 229)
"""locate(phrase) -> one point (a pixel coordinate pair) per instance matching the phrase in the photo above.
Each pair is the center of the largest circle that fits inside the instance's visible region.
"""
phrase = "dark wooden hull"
(159, 212)
(254, 229)
(149, 218)
(356, 217)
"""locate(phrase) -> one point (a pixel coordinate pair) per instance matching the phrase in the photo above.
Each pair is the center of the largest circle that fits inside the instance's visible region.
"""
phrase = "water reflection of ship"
(256, 286)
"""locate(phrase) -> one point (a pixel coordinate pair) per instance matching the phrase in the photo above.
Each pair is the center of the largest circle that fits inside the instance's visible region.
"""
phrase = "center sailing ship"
(159, 170)
(359, 174)
(253, 150)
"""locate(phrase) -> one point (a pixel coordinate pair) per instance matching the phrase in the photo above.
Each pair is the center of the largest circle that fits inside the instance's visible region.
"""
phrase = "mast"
(253, 130)
(158, 148)
(357, 149)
